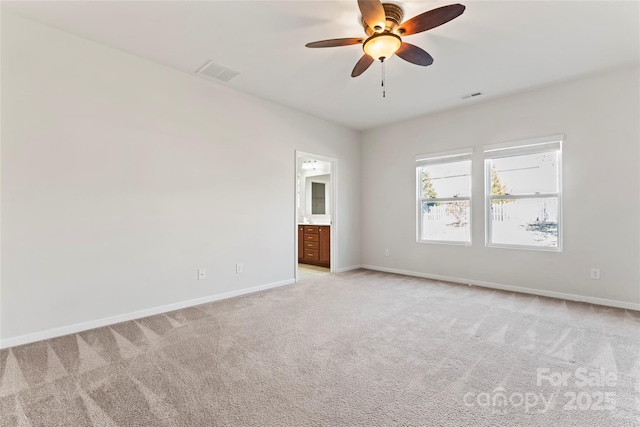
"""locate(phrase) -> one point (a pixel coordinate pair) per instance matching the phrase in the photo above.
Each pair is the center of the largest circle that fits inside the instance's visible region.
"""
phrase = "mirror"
(318, 197)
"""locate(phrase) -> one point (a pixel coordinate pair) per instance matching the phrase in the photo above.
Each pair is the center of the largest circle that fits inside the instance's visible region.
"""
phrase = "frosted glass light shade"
(382, 45)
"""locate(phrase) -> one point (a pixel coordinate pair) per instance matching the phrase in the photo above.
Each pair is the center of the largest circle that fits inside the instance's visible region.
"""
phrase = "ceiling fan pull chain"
(384, 92)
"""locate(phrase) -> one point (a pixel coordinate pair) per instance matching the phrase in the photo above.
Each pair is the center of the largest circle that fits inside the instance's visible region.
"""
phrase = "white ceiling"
(495, 47)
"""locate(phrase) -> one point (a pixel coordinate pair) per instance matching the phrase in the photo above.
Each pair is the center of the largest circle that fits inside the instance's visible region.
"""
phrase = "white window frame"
(530, 146)
(453, 156)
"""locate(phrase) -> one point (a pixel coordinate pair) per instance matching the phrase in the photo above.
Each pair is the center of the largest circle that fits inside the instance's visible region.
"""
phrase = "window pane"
(526, 174)
(446, 180)
(525, 222)
(446, 221)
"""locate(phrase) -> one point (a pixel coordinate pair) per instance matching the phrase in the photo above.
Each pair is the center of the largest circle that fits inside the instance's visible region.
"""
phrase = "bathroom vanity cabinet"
(314, 244)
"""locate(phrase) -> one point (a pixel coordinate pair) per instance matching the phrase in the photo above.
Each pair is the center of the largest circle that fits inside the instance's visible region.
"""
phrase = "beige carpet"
(354, 349)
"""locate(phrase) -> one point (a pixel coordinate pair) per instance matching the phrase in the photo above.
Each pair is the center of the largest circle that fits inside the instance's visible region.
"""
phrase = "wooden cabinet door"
(300, 243)
(324, 237)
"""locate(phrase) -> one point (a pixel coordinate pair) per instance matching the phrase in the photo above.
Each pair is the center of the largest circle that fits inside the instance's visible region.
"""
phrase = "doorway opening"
(315, 215)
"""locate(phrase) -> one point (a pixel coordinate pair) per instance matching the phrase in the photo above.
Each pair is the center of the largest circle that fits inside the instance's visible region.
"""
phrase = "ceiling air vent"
(472, 95)
(217, 72)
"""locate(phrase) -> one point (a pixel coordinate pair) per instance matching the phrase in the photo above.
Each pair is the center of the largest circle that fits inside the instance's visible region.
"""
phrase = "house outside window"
(444, 197)
(523, 205)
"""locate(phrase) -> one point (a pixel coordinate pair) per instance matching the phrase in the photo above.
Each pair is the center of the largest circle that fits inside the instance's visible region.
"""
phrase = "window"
(523, 194)
(444, 197)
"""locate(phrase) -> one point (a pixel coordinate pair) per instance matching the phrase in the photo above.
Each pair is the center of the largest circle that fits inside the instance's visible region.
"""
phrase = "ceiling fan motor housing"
(393, 14)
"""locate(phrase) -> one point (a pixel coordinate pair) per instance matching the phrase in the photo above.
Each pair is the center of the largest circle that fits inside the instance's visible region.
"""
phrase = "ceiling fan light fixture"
(381, 46)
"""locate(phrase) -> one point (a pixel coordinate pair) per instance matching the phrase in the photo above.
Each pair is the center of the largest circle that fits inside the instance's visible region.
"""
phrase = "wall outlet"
(202, 273)
(238, 268)
(386, 252)
(595, 273)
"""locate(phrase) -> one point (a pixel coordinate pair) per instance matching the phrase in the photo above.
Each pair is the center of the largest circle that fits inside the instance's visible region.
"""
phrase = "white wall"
(599, 117)
(120, 178)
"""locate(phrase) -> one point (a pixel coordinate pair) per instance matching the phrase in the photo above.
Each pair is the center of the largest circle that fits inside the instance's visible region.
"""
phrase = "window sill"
(444, 242)
(526, 248)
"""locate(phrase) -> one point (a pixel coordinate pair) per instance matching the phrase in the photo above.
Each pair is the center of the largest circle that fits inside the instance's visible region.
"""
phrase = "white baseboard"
(92, 324)
(79, 327)
(349, 268)
(532, 291)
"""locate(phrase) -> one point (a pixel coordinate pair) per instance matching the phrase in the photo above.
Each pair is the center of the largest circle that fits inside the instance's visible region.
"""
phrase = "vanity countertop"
(318, 225)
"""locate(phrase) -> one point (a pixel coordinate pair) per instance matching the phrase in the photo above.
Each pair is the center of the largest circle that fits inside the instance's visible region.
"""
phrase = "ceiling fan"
(382, 22)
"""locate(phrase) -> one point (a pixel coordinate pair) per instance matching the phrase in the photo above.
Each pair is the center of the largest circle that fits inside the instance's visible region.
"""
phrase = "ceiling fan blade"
(362, 65)
(414, 54)
(430, 19)
(336, 42)
(372, 12)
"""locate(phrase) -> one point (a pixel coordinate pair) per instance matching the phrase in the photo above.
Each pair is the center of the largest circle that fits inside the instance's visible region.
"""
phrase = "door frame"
(333, 211)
